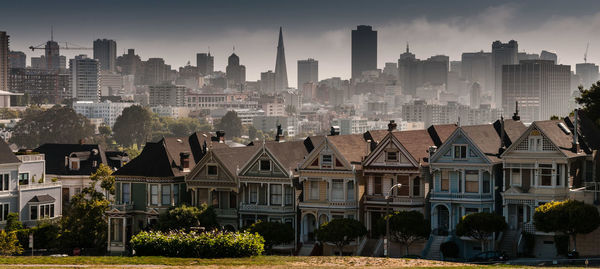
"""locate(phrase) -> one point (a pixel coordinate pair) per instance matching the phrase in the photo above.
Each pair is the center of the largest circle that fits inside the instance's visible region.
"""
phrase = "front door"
(443, 218)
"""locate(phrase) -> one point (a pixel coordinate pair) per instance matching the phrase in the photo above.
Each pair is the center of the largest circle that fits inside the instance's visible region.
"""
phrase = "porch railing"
(465, 196)
(266, 208)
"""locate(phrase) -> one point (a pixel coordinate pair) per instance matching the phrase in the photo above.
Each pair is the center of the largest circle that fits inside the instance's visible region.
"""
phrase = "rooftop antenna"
(407, 47)
(586, 51)
(51, 32)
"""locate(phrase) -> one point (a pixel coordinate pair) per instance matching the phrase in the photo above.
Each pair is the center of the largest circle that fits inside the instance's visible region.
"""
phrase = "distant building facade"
(364, 50)
(85, 78)
(308, 71)
(105, 51)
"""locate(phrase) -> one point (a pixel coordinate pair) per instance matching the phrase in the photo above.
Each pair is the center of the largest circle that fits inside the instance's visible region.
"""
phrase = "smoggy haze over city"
(316, 29)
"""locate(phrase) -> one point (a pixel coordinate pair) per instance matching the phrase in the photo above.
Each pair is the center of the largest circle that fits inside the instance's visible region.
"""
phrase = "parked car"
(489, 256)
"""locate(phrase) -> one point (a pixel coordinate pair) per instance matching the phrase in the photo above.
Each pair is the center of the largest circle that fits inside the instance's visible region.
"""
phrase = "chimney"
(516, 116)
(392, 125)
(575, 133)
(502, 135)
(334, 131)
(81, 141)
(185, 161)
(431, 151)
(279, 136)
(221, 136)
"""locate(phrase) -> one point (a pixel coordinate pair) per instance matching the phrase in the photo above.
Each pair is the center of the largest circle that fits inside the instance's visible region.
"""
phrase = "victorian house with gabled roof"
(152, 183)
(551, 161)
(466, 169)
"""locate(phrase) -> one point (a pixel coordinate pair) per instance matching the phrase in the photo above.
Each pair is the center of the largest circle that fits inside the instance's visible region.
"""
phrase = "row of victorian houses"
(446, 172)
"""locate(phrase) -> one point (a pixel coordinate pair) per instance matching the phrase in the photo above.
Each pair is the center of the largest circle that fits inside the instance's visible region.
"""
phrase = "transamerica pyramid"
(281, 79)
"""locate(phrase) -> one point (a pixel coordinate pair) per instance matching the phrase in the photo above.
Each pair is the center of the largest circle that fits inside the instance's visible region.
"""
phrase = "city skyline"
(178, 40)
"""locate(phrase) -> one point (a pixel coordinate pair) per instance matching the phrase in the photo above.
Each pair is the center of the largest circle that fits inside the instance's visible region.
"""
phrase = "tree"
(13, 223)
(274, 233)
(84, 224)
(185, 217)
(107, 182)
(55, 125)
(589, 100)
(252, 132)
(132, 151)
(231, 124)
(340, 232)
(133, 126)
(7, 113)
(407, 227)
(9, 244)
(480, 226)
(104, 130)
(184, 126)
(568, 217)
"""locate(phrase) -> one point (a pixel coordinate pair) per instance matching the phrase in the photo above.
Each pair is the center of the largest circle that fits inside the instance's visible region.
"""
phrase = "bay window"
(337, 189)
(472, 181)
(166, 194)
(276, 194)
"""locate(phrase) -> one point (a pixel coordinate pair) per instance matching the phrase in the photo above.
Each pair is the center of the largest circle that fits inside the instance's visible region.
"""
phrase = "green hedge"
(215, 244)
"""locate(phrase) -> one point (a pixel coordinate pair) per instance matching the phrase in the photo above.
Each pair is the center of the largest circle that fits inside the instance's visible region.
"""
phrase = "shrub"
(214, 244)
(184, 217)
(449, 249)
(13, 223)
(9, 244)
(274, 233)
(45, 236)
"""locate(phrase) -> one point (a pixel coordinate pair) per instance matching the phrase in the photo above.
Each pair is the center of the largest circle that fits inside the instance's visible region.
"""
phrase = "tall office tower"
(408, 72)
(155, 71)
(267, 82)
(205, 63)
(587, 73)
(236, 73)
(391, 69)
(281, 79)
(540, 86)
(435, 70)
(52, 55)
(85, 74)
(364, 50)
(475, 95)
(17, 59)
(105, 51)
(477, 67)
(547, 55)
(308, 71)
(502, 54)
(3, 61)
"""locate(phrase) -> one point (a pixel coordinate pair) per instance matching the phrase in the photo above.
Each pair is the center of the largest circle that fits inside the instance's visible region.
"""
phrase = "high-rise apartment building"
(236, 73)
(167, 95)
(502, 54)
(267, 82)
(155, 71)
(41, 85)
(105, 51)
(540, 87)
(364, 50)
(205, 63)
(17, 59)
(85, 78)
(587, 73)
(308, 71)
(3, 61)
(281, 79)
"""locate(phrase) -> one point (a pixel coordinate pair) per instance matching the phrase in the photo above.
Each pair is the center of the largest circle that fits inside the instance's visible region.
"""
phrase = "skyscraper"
(408, 72)
(85, 73)
(17, 59)
(3, 61)
(587, 73)
(364, 50)
(105, 51)
(477, 67)
(308, 71)
(267, 82)
(205, 63)
(236, 73)
(281, 79)
(502, 54)
(540, 86)
(547, 55)
(52, 56)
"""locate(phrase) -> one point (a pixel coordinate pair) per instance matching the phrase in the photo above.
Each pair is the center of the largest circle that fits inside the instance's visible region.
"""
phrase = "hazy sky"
(177, 30)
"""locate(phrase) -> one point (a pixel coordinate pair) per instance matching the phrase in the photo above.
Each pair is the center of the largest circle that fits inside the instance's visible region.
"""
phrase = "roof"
(352, 147)
(233, 158)
(90, 157)
(416, 142)
(289, 153)
(587, 135)
(439, 133)
(45, 198)
(487, 137)
(6, 154)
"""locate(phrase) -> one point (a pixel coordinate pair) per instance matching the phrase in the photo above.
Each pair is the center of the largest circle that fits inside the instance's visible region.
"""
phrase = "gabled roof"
(6, 155)
(289, 153)
(352, 147)
(45, 198)
(389, 138)
(439, 133)
(417, 143)
(89, 154)
(233, 158)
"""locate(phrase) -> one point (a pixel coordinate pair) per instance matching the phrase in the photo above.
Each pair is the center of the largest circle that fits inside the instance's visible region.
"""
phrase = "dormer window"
(392, 156)
(265, 165)
(74, 163)
(460, 152)
(211, 170)
(327, 161)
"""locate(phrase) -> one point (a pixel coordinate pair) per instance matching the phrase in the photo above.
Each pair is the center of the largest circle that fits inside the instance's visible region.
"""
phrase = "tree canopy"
(133, 126)
(56, 125)
(274, 233)
(568, 217)
(341, 232)
(185, 217)
(590, 102)
(480, 226)
(231, 124)
(407, 227)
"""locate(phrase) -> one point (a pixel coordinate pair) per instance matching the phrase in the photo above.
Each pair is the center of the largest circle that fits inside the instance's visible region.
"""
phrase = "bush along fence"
(214, 244)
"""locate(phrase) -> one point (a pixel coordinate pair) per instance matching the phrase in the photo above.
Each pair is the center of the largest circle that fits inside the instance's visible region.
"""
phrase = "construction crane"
(66, 46)
(586, 51)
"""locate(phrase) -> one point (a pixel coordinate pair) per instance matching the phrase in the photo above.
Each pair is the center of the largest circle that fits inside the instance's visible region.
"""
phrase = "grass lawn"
(254, 262)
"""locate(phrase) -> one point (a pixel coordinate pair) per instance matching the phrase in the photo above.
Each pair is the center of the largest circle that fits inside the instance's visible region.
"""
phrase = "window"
(460, 152)
(166, 194)
(126, 193)
(377, 186)
(46, 211)
(5, 182)
(74, 164)
(276, 194)
(327, 161)
(33, 212)
(392, 156)
(211, 170)
(470, 210)
(516, 177)
(253, 193)
(154, 194)
(314, 190)
(486, 183)
(23, 178)
(116, 229)
(350, 188)
(405, 189)
(535, 143)
(176, 194)
(546, 174)
(471, 181)
(265, 165)
(416, 186)
(289, 195)
(445, 180)
(337, 189)
(558, 176)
